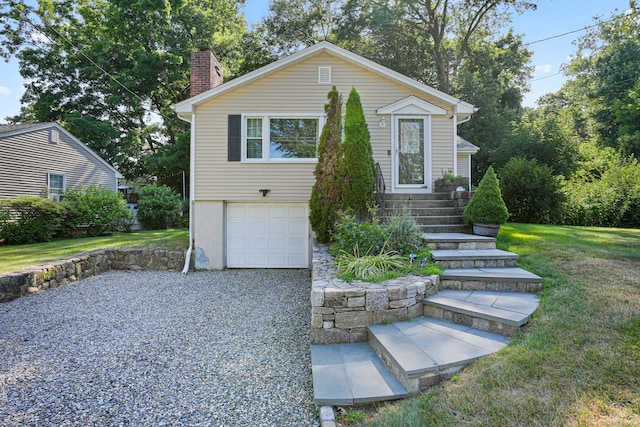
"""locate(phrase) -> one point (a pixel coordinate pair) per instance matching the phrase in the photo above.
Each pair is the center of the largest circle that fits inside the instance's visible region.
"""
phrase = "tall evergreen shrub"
(359, 190)
(327, 190)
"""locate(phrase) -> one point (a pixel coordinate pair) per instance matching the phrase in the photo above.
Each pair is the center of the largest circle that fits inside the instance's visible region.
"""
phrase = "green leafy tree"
(487, 206)
(606, 80)
(159, 207)
(359, 189)
(326, 194)
(109, 71)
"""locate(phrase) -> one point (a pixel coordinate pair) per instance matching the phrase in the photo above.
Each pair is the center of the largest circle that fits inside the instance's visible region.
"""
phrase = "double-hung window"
(281, 137)
(55, 185)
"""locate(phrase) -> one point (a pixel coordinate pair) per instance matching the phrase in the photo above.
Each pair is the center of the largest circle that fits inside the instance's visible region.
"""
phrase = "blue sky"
(552, 17)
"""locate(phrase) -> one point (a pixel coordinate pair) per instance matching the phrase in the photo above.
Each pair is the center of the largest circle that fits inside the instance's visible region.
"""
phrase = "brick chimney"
(206, 72)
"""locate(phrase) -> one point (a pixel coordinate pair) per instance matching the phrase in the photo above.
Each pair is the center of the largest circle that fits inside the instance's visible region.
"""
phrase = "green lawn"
(16, 257)
(578, 361)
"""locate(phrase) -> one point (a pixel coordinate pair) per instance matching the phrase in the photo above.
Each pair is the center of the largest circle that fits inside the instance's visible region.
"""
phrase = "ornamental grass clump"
(486, 206)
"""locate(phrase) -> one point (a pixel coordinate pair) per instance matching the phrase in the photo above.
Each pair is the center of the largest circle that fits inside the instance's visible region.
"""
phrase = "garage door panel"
(267, 235)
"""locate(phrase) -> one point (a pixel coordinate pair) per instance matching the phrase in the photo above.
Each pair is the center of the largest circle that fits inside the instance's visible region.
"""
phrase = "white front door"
(267, 235)
(412, 150)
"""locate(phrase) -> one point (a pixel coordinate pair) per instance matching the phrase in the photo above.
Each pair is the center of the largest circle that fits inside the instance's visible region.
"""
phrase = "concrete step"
(419, 204)
(418, 211)
(497, 312)
(446, 228)
(349, 374)
(439, 220)
(491, 279)
(474, 258)
(458, 241)
(426, 351)
(417, 196)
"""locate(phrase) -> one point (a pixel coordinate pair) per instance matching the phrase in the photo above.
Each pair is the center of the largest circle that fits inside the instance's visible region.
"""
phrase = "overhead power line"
(572, 32)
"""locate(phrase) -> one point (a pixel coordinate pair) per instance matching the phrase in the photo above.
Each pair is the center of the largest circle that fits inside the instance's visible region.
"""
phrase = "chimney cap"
(204, 48)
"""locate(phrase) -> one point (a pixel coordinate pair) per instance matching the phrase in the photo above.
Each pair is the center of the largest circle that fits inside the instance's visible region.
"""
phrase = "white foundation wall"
(209, 235)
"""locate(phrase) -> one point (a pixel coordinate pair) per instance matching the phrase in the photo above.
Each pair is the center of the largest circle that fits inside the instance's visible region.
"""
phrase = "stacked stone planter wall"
(59, 273)
(341, 311)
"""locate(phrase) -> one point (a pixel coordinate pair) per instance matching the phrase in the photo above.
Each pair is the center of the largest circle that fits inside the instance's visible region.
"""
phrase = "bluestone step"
(491, 279)
(426, 351)
(497, 312)
(349, 374)
(458, 241)
(470, 258)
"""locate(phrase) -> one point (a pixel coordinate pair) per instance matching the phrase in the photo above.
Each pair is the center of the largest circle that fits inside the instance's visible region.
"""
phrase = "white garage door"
(267, 235)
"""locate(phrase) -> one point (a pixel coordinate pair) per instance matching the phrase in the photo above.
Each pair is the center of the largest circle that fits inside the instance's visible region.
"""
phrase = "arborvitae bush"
(486, 206)
(359, 190)
(531, 191)
(159, 207)
(326, 194)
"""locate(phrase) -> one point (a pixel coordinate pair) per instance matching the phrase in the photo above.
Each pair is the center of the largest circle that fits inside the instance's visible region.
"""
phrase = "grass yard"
(16, 257)
(578, 362)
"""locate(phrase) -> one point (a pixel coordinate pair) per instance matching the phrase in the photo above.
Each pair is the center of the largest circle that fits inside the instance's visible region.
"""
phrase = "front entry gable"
(412, 105)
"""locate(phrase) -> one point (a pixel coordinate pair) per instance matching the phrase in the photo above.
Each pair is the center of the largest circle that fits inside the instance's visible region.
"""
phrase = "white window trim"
(266, 144)
(64, 184)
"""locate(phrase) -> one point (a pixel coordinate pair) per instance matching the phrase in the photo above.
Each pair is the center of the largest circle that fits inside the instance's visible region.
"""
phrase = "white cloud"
(543, 69)
(5, 90)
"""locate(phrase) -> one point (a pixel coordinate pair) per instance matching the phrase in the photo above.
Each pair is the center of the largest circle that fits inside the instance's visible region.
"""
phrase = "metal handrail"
(381, 188)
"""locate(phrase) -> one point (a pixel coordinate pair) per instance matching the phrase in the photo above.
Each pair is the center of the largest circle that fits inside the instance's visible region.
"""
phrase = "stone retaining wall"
(341, 311)
(59, 273)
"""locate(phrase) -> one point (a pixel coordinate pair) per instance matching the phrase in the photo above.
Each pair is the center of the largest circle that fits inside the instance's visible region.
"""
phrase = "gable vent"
(324, 75)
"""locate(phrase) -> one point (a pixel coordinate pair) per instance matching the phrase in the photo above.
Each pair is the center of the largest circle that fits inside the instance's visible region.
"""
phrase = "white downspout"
(192, 189)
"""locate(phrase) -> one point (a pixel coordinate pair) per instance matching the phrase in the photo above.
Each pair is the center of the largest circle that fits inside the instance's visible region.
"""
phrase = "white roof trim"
(412, 105)
(42, 126)
(185, 108)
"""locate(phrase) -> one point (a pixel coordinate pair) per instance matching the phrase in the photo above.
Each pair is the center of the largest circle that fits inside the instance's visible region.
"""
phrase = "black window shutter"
(234, 138)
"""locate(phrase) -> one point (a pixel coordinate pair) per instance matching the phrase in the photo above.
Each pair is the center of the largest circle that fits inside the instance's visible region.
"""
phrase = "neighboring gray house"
(44, 159)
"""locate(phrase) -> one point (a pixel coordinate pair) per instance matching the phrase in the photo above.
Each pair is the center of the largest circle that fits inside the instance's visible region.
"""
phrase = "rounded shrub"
(531, 192)
(404, 234)
(94, 211)
(356, 237)
(29, 219)
(159, 207)
(487, 206)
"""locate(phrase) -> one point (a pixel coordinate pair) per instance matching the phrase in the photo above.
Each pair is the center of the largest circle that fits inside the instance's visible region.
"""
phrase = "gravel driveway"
(228, 348)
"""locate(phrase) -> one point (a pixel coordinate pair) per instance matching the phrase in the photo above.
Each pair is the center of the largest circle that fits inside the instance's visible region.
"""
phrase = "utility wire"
(65, 39)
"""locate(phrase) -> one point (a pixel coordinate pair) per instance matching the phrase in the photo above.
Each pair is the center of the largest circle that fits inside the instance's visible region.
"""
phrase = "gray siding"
(27, 158)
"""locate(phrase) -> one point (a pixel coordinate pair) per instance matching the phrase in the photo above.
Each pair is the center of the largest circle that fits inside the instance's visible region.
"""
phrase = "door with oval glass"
(412, 148)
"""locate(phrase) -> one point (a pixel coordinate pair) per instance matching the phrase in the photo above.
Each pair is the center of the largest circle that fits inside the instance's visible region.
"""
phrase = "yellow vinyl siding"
(463, 165)
(441, 146)
(292, 90)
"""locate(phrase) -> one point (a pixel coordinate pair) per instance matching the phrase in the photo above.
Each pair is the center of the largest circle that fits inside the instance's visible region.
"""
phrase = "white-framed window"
(56, 184)
(281, 137)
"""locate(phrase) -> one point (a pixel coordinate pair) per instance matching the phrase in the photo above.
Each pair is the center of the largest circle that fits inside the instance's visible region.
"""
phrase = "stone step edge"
(455, 238)
(472, 254)
(489, 274)
(474, 310)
